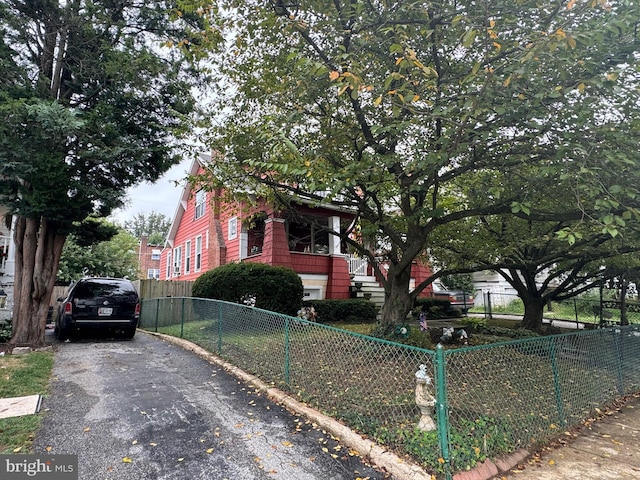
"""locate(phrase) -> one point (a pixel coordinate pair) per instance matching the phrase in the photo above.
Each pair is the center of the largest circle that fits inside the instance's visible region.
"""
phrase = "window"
(153, 273)
(233, 228)
(198, 258)
(168, 273)
(309, 235)
(177, 261)
(255, 233)
(201, 198)
(155, 254)
(187, 256)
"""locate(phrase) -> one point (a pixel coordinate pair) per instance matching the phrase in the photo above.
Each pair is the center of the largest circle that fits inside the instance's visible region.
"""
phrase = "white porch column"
(334, 241)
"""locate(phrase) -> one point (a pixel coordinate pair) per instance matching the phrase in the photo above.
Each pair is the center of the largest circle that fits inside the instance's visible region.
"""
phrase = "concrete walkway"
(605, 448)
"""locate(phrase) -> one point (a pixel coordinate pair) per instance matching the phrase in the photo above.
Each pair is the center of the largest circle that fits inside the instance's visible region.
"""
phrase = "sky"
(161, 197)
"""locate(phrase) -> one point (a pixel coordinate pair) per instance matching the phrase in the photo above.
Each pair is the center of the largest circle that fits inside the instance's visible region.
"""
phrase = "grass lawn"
(22, 375)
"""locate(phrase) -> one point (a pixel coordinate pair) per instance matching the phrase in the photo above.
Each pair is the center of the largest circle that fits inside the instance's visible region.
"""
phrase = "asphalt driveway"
(147, 409)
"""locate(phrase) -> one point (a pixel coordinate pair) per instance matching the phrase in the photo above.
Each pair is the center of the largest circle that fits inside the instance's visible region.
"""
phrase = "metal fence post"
(442, 408)
(287, 373)
(556, 383)
(487, 307)
(219, 328)
(157, 313)
(182, 318)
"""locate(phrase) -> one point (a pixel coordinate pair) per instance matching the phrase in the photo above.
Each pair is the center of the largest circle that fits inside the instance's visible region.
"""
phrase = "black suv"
(99, 303)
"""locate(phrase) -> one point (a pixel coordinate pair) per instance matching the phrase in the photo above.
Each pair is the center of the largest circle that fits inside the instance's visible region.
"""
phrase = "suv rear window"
(104, 289)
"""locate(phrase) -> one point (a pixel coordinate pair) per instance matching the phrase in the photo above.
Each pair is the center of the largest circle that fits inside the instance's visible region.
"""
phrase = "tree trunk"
(38, 250)
(398, 302)
(533, 312)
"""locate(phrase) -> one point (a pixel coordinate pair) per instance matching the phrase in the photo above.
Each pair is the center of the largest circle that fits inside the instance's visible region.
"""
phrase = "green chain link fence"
(490, 399)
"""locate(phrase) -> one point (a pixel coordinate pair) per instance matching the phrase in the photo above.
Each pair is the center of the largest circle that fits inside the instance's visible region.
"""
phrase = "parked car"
(457, 298)
(99, 304)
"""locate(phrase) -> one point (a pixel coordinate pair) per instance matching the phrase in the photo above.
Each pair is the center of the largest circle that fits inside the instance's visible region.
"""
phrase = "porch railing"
(358, 265)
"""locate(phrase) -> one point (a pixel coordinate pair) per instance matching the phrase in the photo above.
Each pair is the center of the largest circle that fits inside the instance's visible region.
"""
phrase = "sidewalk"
(606, 448)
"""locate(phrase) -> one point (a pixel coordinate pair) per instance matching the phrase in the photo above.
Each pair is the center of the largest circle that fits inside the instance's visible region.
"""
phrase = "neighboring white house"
(7, 267)
(490, 282)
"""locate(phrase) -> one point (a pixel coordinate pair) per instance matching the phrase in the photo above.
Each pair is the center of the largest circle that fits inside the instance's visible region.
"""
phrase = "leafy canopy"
(422, 116)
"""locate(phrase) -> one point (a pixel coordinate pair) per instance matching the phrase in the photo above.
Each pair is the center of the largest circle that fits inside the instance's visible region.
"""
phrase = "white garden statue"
(424, 400)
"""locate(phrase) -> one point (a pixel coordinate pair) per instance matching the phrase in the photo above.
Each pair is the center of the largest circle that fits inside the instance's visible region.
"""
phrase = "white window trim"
(187, 257)
(198, 254)
(200, 204)
(232, 227)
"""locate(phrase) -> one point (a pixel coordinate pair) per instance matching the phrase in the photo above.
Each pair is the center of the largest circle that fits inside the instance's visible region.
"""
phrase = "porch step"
(371, 289)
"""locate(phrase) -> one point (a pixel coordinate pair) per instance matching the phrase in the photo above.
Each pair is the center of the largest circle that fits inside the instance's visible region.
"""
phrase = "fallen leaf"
(16, 450)
(210, 450)
(181, 459)
(552, 462)
(48, 449)
(287, 444)
(126, 460)
(153, 444)
(135, 442)
(86, 429)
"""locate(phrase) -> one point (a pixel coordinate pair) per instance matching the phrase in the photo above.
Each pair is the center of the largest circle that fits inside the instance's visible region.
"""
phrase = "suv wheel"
(62, 333)
(129, 332)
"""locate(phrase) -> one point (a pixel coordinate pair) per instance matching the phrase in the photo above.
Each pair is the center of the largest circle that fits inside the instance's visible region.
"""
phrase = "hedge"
(347, 311)
(277, 289)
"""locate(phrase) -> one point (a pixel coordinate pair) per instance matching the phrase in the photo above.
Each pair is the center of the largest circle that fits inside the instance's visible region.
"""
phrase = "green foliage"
(347, 311)
(155, 226)
(462, 282)
(113, 258)
(404, 334)
(94, 98)
(277, 289)
(433, 307)
(509, 333)
(23, 375)
(430, 121)
(5, 330)
(471, 442)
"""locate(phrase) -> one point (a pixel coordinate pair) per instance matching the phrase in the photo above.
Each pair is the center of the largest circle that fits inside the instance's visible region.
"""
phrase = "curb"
(399, 468)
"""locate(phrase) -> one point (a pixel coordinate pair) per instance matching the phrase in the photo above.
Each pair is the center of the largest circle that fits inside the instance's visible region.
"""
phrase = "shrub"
(5, 331)
(433, 307)
(404, 334)
(347, 311)
(277, 289)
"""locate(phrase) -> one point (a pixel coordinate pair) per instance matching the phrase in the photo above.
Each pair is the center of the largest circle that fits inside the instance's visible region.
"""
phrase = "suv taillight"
(137, 312)
(67, 308)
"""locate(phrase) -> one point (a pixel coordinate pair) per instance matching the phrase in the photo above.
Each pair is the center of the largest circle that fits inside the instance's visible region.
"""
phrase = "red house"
(207, 232)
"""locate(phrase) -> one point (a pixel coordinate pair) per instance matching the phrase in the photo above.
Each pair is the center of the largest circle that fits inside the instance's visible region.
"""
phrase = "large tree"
(393, 107)
(108, 251)
(538, 262)
(547, 260)
(155, 226)
(93, 94)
